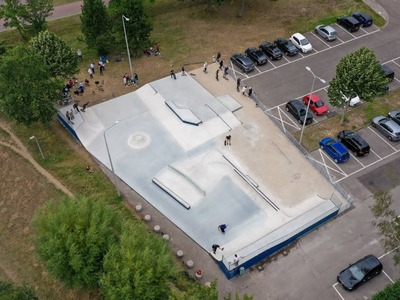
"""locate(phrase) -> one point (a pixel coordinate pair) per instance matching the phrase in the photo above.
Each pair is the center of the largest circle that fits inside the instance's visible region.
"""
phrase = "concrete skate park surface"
(260, 185)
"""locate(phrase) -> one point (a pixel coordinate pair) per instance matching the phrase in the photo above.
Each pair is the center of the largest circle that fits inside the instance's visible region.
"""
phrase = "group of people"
(152, 51)
(222, 228)
(127, 79)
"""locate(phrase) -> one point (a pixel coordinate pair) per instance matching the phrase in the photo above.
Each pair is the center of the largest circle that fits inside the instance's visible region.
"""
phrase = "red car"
(316, 104)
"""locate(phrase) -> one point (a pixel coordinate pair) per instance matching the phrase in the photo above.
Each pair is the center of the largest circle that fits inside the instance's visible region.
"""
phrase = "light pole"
(38, 145)
(109, 156)
(127, 45)
(309, 100)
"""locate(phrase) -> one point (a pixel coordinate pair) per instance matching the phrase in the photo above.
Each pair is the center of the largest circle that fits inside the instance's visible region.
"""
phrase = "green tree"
(388, 223)
(96, 26)
(358, 72)
(13, 12)
(390, 292)
(8, 291)
(138, 264)
(27, 91)
(73, 236)
(36, 13)
(58, 56)
(138, 28)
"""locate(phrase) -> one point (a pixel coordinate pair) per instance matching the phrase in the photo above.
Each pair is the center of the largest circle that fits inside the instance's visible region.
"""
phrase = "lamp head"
(308, 69)
(32, 137)
(125, 18)
(323, 81)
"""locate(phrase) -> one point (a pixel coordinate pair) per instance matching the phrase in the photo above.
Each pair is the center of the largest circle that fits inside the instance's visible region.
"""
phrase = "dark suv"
(350, 23)
(272, 51)
(298, 110)
(354, 142)
(389, 73)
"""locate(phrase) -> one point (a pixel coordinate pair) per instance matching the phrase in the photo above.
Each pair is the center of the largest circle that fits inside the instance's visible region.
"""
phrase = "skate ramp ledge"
(184, 114)
(171, 193)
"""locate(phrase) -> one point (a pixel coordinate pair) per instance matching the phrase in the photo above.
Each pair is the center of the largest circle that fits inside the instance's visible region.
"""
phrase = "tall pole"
(38, 145)
(309, 100)
(127, 45)
(109, 157)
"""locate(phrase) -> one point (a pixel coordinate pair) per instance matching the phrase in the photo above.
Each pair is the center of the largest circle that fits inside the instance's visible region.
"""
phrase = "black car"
(243, 62)
(257, 56)
(350, 23)
(363, 18)
(360, 272)
(286, 46)
(298, 110)
(272, 51)
(389, 73)
(354, 142)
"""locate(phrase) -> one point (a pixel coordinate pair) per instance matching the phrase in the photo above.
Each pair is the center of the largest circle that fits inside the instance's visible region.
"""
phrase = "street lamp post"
(309, 100)
(109, 156)
(127, 45)
(38, 145)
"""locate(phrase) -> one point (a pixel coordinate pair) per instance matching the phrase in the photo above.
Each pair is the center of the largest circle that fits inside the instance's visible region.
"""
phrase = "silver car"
(327, 32)
(387, 127)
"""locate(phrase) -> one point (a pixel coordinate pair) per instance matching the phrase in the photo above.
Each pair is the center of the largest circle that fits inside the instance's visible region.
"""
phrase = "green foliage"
(72, 238)
(140, 262)
(12, 12)
(390, 292)
(57, 55)
(387, 222)
(138, 28)
(36, 13)
(197, 292)
(10, 292)
(96, 26)
(27, 91)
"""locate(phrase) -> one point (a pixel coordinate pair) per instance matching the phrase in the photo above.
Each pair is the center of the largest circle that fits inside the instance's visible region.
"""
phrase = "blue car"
(335, 149)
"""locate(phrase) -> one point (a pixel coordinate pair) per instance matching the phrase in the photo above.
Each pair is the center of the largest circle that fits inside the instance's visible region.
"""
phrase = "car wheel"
(287, 53)
(287, 109)
(373, 125)
(390, 138)
(355, 153)
(326, 39)
(336, 161)
(301, 123)
(322, 147)
(316, 31)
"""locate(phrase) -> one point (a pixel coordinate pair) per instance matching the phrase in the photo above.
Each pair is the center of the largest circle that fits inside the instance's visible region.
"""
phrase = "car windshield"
(319, 104)
(356, 272)
(275, 50)
(291, 47)
(304, 42)
(302, 112)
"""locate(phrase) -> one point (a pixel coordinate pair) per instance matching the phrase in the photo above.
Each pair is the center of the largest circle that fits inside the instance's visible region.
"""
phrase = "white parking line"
(272, 64)
(355, 157)
(285, 122)
(284, 112)
(395, 62)
(388, 276)
(334, 286)
(378, 135)
(387, 253)
(375, 153)
(257, 69)
(321, 39)
(340, 40)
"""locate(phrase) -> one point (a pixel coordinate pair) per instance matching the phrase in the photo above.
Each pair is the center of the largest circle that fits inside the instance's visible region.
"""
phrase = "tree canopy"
(96, 26)
(27, 91)
(9, 291)
(388, 223)
(57, 55)
(358, 72)
(140, 262)
(72, 237)
(138, 28)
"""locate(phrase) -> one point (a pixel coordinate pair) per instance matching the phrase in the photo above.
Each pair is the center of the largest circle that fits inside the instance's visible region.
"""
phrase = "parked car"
(335, 149)
(326, 32)
(354, 142)
(387, 127)
(316, 104)
(360, 272)
(301, 42)
(271, 50)
(389, 73)
(353, 99)
(243, 62)
(298, 110)
(349, 23)
(256, 55)
(395, 116)
(286, 46)
(363, 18)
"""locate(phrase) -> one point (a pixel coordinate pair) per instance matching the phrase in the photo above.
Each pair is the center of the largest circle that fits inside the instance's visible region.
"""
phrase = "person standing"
(221, 64)
(90, 72)
(173, 74)
(136, 79)
(183, 71)
(222, 227)
(92, 67)
(218, 56)
(226, 72)
(228, 139)
(71, 114)
(244, 90)
(250, 92)
(205, 66)
(217, 75)
(238, 81)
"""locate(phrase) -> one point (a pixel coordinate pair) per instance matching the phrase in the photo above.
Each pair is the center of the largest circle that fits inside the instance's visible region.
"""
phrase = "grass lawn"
(188, 36)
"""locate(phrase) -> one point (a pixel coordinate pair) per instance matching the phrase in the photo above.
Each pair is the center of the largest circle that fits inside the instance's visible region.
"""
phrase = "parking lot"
(367, 290)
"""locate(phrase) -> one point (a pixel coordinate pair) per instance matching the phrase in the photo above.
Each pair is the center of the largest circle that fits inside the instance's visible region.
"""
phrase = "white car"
(352, 100)
(301, 42)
